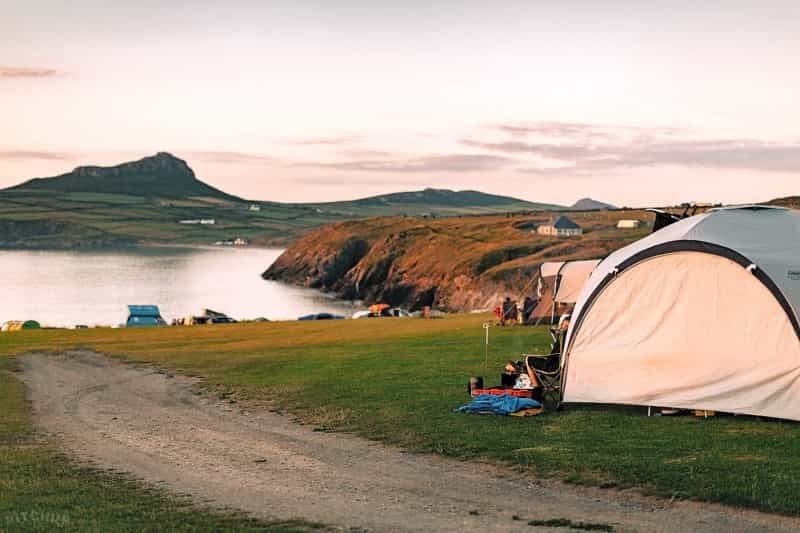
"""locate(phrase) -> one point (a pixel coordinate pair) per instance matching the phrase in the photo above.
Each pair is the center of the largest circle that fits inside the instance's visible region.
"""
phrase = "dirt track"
(158, 428)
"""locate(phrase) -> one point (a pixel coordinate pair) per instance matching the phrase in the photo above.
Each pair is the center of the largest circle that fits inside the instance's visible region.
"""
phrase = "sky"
(634, 103)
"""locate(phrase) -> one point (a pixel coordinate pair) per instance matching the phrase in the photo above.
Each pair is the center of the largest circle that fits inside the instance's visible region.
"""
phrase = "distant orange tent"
(378, 308)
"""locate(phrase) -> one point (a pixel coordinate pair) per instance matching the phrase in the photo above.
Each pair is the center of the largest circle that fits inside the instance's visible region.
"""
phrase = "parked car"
(321, 316)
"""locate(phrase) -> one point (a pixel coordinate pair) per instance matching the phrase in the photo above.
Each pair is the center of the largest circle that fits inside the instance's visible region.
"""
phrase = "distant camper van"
(144, 315)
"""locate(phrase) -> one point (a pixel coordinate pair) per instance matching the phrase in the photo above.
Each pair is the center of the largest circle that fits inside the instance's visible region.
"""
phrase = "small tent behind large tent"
(702, 314)
(559, 285)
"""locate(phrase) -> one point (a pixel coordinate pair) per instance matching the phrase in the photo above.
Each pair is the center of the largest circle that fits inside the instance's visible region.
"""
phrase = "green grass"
(111, 219)
(41, 490)
(397, 381)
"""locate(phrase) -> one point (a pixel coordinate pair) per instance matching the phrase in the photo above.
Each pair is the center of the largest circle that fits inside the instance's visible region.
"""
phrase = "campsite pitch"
(397, 381)
(156, 426)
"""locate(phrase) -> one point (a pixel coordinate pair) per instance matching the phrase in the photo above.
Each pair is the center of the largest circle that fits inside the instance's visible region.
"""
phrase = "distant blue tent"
(144, 315)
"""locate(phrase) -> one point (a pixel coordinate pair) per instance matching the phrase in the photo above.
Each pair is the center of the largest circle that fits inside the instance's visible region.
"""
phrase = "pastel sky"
(631, 102)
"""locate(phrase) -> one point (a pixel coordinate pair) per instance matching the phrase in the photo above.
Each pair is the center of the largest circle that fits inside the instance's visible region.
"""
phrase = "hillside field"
(397, 381)
(455, 263)
(55, 219)
(144, 201)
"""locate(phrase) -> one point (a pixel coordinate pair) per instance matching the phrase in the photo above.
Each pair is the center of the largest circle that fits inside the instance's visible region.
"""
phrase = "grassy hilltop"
(438, 202)
(397, 381)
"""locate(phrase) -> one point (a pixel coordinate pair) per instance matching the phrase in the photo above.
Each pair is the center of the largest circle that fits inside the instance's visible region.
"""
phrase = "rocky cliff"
(456, 264)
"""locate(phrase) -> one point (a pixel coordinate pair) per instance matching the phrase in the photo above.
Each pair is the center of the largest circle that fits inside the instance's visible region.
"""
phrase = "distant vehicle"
(383, 312)
(144, 315)
(208, 316)
(321, 316)
(215, 317)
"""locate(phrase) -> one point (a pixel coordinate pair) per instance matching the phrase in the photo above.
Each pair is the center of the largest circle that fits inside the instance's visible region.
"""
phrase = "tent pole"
(486, 326)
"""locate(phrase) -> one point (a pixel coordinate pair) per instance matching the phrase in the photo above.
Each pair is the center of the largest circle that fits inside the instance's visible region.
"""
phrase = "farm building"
(562, 227)
(203, 221)
(628, 224)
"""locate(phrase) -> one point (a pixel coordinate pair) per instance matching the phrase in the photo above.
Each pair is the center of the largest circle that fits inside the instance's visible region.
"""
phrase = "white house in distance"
(628, 224)
(203, 221)
(562, 227)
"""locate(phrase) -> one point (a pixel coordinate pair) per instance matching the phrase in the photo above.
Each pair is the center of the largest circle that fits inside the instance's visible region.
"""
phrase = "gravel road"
(161, 429)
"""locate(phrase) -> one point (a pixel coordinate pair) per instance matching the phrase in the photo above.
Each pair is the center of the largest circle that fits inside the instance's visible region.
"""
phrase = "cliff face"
(455, 264)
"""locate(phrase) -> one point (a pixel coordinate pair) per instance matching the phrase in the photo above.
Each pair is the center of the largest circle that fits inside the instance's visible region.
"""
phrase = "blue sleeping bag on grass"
(505, 404)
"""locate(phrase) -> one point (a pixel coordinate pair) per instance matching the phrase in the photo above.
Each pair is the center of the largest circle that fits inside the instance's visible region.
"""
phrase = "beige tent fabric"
(550, 269)
(768, 236)
(574, 275)
(687, 330)
(568, 277)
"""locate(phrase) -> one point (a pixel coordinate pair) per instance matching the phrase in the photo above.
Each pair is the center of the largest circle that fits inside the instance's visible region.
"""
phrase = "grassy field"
(54, 218)
(397, 381)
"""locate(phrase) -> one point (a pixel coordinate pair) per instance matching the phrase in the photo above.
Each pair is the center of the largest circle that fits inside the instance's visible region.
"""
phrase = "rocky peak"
(162, 163)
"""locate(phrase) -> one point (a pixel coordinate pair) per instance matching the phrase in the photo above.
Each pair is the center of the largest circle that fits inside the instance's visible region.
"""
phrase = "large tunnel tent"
(559, 286)
(702, 314)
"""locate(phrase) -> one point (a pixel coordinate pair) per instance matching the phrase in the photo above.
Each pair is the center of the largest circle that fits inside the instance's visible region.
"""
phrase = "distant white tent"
(560, 284)
(702, 314)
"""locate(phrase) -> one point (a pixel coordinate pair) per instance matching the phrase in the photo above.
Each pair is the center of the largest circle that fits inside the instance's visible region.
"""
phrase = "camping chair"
(547, 369)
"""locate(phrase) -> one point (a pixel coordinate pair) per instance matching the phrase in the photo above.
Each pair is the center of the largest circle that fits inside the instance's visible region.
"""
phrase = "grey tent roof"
(768, 236)
(565, 223)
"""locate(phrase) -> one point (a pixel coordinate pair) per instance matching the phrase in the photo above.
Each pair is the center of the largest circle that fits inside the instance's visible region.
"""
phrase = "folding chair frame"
(549, 381)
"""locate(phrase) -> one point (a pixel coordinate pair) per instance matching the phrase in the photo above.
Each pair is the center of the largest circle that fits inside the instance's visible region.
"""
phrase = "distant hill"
(435, 202)
(789, 201)
(588, 204)
(162, 175)
(158, 199)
